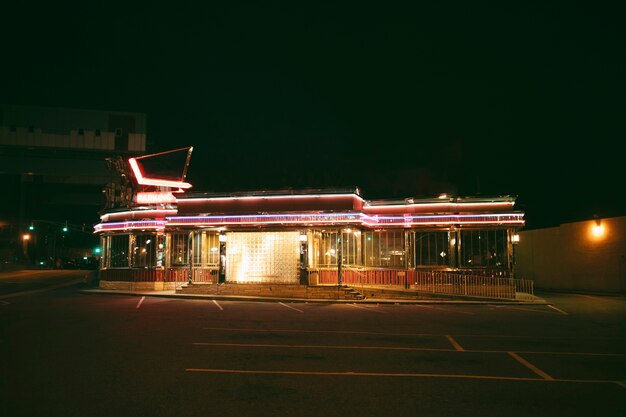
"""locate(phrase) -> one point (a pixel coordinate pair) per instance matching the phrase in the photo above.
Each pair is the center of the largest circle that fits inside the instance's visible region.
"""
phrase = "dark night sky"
(401, 99)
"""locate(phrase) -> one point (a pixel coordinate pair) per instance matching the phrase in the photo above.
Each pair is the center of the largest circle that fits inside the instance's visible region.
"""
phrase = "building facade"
(56, 164)
(169, 236)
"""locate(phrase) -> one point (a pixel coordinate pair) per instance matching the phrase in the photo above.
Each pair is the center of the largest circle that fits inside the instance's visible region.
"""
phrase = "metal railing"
(489, 284)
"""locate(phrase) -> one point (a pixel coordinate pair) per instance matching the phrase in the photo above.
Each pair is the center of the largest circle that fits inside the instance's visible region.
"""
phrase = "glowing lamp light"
(598, 229)
(515, 238)
(25, 236)
(64, 228)
(97, 250)
(31, 227)
(222, 238)
(303, 238)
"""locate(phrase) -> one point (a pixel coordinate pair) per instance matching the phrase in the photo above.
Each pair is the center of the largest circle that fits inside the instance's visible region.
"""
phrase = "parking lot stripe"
(530, 366)
(370, 374)
(454, 343)
(140, 302)
(406, 375)
(410, 348)
(257, 345)
(444, 309)
(217, 304)
(558, 309)
(293, 308)
(522, 309)
(368, 309)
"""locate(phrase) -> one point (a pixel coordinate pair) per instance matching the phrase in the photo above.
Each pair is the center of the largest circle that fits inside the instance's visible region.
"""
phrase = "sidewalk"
(173, 294)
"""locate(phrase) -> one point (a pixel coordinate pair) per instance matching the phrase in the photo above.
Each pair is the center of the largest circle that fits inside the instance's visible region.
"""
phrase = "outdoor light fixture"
(515, 238)
(598, 229)
(222, 238)
(303, 238)
(25, 236)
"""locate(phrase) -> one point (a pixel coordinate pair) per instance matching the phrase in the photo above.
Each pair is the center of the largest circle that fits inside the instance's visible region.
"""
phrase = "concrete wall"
(572, 257)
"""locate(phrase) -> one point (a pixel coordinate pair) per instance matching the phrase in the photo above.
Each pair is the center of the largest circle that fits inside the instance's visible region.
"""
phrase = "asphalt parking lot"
(73, 353)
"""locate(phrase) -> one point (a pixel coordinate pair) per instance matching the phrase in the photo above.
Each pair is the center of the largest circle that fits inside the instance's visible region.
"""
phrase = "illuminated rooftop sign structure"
(138, 171)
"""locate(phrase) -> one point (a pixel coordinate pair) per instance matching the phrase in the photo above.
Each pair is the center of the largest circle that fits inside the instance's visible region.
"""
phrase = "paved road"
(15, 282)
(68, 353)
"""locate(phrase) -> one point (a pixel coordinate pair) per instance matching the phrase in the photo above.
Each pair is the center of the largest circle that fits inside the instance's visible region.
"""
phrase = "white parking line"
(293, 308)
(522, 309)
(368, 309)
(217, 304)
(530, 366)
(445, 309)
(557, 309)
(140, 302)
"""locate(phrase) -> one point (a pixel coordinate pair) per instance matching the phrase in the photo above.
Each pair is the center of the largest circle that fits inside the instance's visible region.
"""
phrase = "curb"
(309, 300)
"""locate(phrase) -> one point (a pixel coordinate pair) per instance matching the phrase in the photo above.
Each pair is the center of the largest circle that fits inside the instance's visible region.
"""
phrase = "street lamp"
(25, 239)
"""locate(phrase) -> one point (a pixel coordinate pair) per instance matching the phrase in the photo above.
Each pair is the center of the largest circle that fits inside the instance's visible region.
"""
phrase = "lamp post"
(25, 240)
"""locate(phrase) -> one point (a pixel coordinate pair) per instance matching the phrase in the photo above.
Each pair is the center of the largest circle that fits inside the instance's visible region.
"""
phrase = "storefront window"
(118, 251)
(351, 248)
(431, 248)
(384, 249)
(144, 251)
(323, 248)
(177, 246)
(484, 248)
(206, 249)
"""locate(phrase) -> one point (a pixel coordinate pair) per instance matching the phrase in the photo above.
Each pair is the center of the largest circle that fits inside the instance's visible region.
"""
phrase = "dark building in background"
(57, 166)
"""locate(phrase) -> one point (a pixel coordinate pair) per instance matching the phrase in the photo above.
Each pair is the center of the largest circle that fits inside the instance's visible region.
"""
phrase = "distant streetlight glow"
(25, 236)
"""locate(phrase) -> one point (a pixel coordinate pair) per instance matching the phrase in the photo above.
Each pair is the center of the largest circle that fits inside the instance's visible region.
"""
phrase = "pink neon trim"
(262, 197)
(132, 214)
(154, 181)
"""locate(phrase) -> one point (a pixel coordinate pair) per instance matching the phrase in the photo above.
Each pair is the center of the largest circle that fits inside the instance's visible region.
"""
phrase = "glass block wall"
(263, 257)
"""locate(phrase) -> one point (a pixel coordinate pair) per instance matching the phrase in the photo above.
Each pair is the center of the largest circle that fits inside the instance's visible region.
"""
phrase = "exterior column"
(190, 256)
(304, 249)
(339, 259)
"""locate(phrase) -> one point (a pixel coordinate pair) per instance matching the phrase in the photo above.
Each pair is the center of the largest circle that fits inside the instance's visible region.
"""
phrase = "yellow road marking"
(321, 346)
(406, 375)
(454, 343)
(531, 366)
(408, 348)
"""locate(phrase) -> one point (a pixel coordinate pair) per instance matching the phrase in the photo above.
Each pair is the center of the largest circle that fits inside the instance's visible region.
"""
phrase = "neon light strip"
(134, 214)
(508, 218)
(456, 205)
(154, 181)
(152, 224)
(274, 197)
(266, 219)
(434, 216)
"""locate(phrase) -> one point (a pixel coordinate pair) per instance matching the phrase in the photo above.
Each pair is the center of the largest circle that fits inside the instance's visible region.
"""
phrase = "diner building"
(169, 237)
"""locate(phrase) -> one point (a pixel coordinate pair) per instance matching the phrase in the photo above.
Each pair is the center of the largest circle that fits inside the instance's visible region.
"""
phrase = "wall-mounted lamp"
(515, 238)
(598, 228)
(222, 237)
(303, 238)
